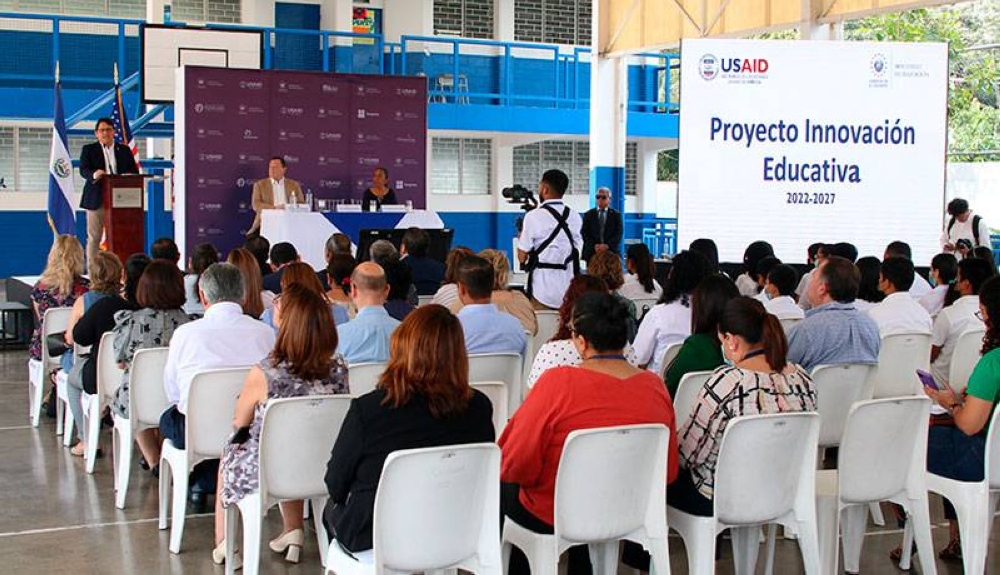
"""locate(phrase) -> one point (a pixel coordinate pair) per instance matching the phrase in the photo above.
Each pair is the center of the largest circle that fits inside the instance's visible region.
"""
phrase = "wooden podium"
(124, 198)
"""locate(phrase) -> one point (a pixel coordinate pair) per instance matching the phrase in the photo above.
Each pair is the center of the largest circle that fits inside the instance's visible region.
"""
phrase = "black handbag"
(56, 342)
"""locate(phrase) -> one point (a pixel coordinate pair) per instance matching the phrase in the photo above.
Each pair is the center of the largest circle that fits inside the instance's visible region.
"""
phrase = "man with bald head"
(365, 338)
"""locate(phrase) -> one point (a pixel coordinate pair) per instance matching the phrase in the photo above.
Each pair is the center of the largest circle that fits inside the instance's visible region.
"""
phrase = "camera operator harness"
(562, 227)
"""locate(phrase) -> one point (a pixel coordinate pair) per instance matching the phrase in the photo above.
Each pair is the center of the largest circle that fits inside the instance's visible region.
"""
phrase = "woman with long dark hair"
(748, 282)
(641, 279)
(701, 350)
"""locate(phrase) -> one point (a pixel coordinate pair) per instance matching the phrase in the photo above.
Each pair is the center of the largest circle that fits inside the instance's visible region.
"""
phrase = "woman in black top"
(380, 193)
(423, 399)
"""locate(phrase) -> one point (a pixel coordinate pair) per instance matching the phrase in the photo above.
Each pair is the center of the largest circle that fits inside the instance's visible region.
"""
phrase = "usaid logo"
(334, 136)
(251, 85)
(330, 88)
(708, 67)
(745, 65)
(214, 158)
(291, 111)
(330, 184)
(292, 159)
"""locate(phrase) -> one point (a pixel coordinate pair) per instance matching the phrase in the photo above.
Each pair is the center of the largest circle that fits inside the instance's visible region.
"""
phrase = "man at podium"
(98, 159)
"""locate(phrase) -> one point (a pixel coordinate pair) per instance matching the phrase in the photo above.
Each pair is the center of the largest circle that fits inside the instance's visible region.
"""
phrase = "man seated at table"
(427, 272)
(487, 329)
(365, 339)
(282, 254)
(224, 337)
(274, 191)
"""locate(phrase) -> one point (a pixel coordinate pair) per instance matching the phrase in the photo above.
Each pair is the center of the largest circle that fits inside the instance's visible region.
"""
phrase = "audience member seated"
(134, 266)
(816, 259)
(669, 321)
(898, 249)
(381, 251)
(447, 294)
(400, 280)
(869, 295)
(486, 328)
(701, 350)
(224, 337)
(204, 255)
(944, 270)
(959, 317)
(845, 250)
(427, 272)
(299, 365)
(160, 298)
(165, 249)
(957, 451)
(261, 250)
(780, 290)
(423, 399)
(303, 275)
(764, 268)
(754, 343)
(282, 254)
(336, 244)
(560, 350)
(255, 299)
(834, 332)
(707, 248)
(507, 300)
(607, 265)
(338, 275)
(384, 253)
(60, 284)
(605, 390)
(898, 312)
(365, 339)
(748, 282)
(640, 283)
(984, 253)
(93, 314)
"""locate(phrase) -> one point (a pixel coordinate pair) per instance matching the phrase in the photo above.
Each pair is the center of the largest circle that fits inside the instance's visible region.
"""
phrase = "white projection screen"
(796, 142)
(166, 48)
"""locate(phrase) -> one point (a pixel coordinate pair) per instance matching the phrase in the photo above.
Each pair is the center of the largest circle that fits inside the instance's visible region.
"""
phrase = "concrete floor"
(57, 519)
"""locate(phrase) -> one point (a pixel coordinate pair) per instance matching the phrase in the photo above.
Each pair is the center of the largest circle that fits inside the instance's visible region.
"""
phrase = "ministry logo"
(708, 67)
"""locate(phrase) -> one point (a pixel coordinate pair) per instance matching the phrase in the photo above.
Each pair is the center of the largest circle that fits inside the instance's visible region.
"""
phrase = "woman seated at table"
(604, 391)
(299, 365)
(755, 345)
(957, 451)
(380, 194)
(422, 399)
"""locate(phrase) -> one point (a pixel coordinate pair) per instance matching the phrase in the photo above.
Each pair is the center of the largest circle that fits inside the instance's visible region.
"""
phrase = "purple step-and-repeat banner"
(332, 129)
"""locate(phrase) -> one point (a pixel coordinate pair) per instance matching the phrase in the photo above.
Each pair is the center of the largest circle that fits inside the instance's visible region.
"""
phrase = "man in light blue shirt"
(365, 339)
(487, 329)
(834, 332)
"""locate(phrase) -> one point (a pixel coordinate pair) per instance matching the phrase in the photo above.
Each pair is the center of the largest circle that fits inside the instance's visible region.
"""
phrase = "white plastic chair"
(109, 377)
(146, 402)
(210, 408)
(296, 439)
(496, 391)
(55, 320)
(975, 504)
(424, 299)
(899, 358)
(668, 357)
(838, 387)
(362, 377)
(64, 415)
(686, 396)
(883, 456)
(609, 486)
(548, 325)
(453, 522)
(964, 358)
(505, 367)
(766, 473)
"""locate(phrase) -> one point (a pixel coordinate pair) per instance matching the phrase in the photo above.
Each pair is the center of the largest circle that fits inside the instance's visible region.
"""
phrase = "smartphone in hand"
(928, 381)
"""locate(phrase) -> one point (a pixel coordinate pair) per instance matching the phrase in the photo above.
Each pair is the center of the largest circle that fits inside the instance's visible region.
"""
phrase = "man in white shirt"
(816, 258)
(898, 312)
(274, 191)
(550, 243)
(959, 317)
(224, 337)
(944, 270)
(779, 288)
(964, 230)
(898, 249)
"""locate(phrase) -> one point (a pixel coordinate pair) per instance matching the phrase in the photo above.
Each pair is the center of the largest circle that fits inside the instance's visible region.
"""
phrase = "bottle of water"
(167, 13)
(309, 200)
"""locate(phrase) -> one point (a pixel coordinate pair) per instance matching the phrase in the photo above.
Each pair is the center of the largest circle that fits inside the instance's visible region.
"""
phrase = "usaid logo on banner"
(708, 67)
(330, 184)
(292, 159)
(331, 88)
(734, 70)
(332, 136)
(408, 92)
(251, 85)
(285, 111)
(210, 158)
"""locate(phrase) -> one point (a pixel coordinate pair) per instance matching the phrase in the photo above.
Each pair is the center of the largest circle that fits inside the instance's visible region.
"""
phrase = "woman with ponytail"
(640, 282)
(757, 379)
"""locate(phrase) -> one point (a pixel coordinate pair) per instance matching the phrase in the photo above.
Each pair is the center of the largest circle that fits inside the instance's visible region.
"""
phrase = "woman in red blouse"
(604, 391)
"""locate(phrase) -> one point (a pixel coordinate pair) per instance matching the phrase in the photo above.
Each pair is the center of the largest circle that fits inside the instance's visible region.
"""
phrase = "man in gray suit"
(274, 191)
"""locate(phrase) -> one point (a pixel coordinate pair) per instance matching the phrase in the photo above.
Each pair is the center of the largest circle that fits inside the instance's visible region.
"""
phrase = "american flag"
(123, 132)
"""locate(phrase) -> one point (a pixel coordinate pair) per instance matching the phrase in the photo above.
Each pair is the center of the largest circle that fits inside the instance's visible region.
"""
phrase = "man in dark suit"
(602, 227)
(427, 272)
(101, 158)
(282, 254)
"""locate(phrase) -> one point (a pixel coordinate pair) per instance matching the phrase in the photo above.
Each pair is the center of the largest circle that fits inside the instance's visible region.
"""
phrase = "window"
(465, 18)
(553, 21)
(573, 158)
(461, 165)
(115, 8)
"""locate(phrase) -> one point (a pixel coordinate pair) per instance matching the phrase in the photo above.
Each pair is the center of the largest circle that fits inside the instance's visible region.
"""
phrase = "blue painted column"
(608, 116)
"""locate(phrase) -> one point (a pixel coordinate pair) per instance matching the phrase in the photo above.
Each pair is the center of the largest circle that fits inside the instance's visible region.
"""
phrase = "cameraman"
(549, 244)
(964, 231)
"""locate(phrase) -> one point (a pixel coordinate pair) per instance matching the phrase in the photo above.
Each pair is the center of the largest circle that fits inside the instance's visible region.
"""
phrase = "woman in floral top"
(61, 283)
(160, 295)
